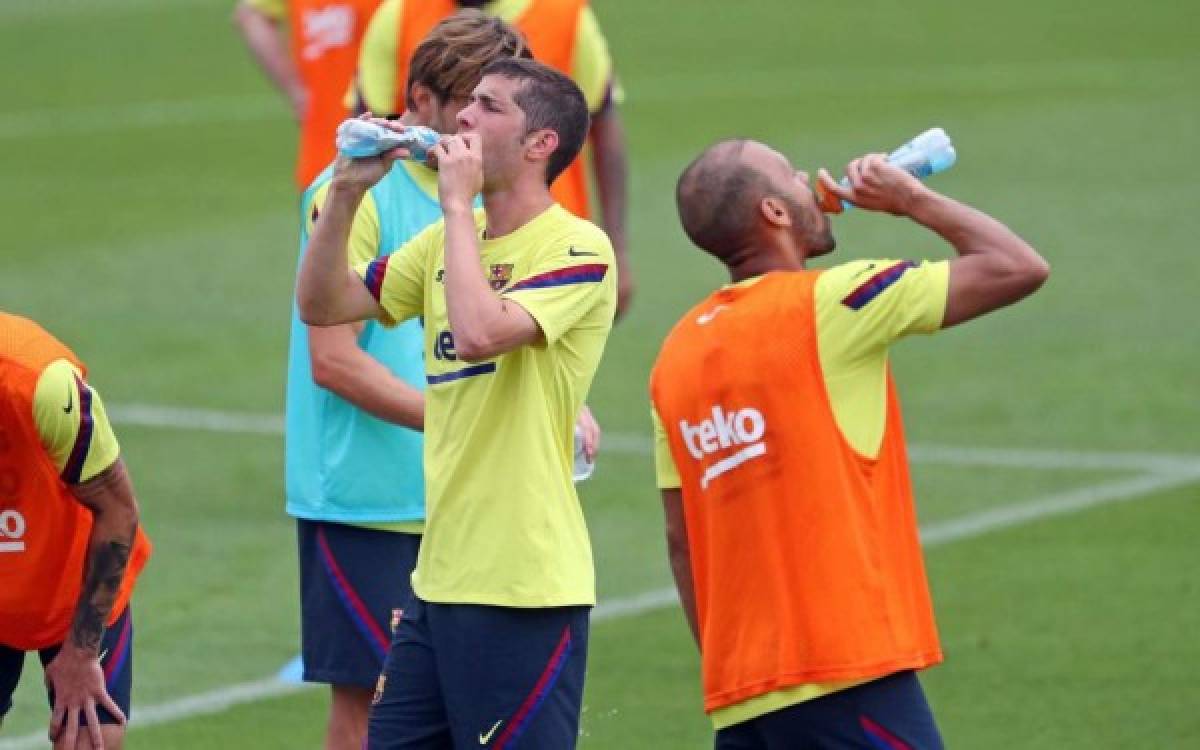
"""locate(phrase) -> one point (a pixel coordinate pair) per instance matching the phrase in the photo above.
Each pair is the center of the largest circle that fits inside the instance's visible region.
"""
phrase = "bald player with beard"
(789, 510)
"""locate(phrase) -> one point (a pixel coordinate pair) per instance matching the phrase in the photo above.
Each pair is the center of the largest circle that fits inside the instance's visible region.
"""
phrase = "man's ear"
(776, 212)
(425, 102)
(540, 144)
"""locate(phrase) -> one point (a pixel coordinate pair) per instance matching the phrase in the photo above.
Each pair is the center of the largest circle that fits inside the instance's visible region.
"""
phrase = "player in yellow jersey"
(517, 302)
(564, 34)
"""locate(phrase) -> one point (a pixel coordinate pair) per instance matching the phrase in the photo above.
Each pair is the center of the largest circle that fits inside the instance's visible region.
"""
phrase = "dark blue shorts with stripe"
(116, 659)
(467, 675)
(353, 583)
(890, 713)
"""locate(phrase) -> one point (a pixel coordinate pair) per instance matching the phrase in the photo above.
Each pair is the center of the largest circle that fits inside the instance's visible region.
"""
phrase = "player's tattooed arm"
(74, 674)
(109, 496)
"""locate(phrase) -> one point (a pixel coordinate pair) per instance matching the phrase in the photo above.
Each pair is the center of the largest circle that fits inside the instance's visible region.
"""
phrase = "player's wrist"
(74, 651)
(346, 188)
(921, 204)
(454, 207)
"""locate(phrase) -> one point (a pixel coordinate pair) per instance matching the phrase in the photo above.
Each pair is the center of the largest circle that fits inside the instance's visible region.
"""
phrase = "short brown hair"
(550, 100)
(717, 195)
(450, 60)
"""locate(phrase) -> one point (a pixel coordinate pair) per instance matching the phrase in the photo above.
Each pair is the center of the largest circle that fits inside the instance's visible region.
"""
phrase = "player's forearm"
(611, 166)
(973, 233)
(474, 309)
(681, 570)
(368, 384)
(114, 523)
(262, 36)
(322, 287)
(679, 555)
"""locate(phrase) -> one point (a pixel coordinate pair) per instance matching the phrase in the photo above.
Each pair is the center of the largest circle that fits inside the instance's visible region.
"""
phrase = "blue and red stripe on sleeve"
(876, 285)
(83, 436)
(373, 278)
(584, 274)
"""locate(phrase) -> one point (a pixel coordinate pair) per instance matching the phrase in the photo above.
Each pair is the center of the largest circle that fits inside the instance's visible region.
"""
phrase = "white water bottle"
(927, 154)
(583, 468)
(360, 139)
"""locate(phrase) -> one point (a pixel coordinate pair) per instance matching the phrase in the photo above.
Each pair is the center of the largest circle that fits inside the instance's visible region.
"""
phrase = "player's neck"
(763, 257)
(513, 206)
(753, 267)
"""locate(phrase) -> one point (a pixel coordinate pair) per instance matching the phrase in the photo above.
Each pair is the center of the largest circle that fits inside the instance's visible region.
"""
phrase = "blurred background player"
(308, 48)
(563, 34)
(70, 545)
(355, 409)
(518, 301)
(784, 475)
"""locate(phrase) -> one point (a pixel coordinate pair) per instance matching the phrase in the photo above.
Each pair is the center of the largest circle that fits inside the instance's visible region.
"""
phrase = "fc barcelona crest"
(499, 275)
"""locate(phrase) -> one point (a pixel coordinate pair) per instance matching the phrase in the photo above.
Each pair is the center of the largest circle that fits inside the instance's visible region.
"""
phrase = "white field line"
(932, 535)
(120, 116)
(55, 123)
(1166, 472)
(967, 527)
(179, 418)
(1052, 505)
(201, 704)
(36, 10)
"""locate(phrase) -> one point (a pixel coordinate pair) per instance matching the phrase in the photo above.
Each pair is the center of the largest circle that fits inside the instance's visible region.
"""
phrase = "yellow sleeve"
(376, 75)
(72, 424)
(862, 307)
(868, 304)
(665, 472)
(574, 272)
(397, 280)
(592, 67)
(365, 236)
(276, 9)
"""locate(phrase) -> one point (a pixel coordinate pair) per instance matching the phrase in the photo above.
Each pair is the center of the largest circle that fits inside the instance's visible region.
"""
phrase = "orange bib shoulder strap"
(550, 28)
(417, 20)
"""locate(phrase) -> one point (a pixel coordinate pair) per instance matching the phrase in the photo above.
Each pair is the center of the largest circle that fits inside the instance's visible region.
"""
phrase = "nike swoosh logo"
(581, 253)
(486, 738)
(70, 399)
(860, 273)
(707, 317)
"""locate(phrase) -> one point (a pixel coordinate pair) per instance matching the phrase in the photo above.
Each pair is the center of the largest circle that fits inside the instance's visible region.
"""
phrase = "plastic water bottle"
(583, 467)
(360, 139)
(927, 154)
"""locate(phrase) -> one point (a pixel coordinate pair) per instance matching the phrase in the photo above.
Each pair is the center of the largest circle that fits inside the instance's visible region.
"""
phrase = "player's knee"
(348, 710)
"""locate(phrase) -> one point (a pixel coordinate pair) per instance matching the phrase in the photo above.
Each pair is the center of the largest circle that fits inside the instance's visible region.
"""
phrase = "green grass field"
(150, 223)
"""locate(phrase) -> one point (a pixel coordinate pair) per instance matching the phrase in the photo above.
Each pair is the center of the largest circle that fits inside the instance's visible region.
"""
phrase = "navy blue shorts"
(116, 659)
(353, 583)
(890, 713)
(466, 675)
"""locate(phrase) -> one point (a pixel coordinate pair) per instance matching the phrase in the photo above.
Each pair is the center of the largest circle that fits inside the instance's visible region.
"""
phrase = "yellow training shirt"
(276, 9)
(862, 307)
(72, 424)
(503, 523)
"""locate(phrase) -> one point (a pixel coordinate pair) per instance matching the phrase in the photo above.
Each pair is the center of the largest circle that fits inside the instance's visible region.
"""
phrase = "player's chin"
(823, 244)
